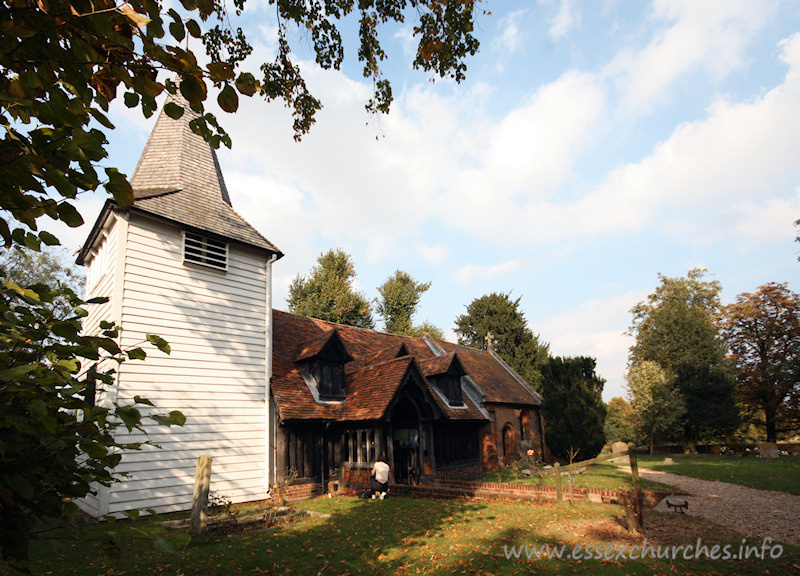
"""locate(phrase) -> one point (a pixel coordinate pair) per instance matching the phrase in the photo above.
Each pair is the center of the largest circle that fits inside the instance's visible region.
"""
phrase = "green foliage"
(427, 329)
(763, 332)
(619, 425)
(499, 315)
(50, 266)
(400, 296)
(573, 407)
(55, 441)
(62, 62)
(676, 328)
(658, 406)
(327, 292)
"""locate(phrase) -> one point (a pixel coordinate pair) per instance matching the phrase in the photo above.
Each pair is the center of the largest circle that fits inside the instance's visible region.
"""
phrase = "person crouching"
(379, 478)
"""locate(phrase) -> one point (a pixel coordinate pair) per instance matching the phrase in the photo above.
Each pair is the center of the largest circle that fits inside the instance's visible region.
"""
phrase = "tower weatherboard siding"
(216, 322)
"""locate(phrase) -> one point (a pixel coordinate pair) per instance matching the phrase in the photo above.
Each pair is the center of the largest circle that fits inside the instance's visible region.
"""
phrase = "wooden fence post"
(557, 469)
(202, 483)
(637, 487)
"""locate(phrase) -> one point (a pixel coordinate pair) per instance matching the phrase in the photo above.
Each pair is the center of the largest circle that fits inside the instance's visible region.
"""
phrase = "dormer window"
(205, 251)
(450, 387)
(444, 374)
(329, 378)
(321, 361)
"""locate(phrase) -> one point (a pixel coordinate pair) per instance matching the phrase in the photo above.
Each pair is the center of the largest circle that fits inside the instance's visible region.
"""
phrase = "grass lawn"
(603, 475)
(409, 536)
(781, 474)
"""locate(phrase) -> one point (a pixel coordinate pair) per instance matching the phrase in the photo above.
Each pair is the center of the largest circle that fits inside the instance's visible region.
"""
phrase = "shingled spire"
(178, 178)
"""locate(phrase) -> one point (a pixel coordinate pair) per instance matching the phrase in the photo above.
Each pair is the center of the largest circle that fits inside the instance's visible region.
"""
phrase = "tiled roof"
(439, 364)
(492, 377)
(317, 344)
(178, 178)
(371, 389)
(380, 364)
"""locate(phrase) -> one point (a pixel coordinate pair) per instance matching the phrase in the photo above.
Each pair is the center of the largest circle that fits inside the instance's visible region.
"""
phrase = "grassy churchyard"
(781, 474)
(415, 536)
(346, 535)
(605, 475)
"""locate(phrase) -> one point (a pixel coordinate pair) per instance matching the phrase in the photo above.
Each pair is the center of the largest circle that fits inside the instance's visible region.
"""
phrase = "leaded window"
(450, 387)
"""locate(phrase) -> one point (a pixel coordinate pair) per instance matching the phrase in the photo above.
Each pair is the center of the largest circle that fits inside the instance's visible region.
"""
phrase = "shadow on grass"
(411, 536)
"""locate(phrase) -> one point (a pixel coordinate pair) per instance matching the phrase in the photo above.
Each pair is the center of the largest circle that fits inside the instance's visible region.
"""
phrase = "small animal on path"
(678, 506)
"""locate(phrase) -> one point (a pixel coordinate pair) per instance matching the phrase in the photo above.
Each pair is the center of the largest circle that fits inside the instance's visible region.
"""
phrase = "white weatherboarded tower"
(182, 264)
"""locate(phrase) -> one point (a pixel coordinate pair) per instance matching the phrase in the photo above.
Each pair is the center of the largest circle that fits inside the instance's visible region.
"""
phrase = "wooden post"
(571, 486)
(202, 483)
(631, 521)
(637, 487)
(557, 471)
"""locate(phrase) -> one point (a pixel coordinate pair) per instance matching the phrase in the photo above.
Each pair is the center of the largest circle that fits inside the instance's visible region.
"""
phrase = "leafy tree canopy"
(399, 298)
(763, 332)
(499, 315)
(50, 267)
(55, 441)
(619, 426)
(573, 407)
(327, 292)
(62, 63)
(676, 328)
(658, 406)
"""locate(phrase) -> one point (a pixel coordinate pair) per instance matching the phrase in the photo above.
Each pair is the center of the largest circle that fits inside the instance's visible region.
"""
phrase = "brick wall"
(495, 491)
(500, 491)
(297, 491)
(492, 436)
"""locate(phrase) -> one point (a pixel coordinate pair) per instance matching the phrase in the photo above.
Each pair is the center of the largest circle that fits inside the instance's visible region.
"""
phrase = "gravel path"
(755, 513)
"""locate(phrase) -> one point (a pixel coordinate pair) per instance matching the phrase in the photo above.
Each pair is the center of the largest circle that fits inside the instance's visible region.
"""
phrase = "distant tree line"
(701, 372)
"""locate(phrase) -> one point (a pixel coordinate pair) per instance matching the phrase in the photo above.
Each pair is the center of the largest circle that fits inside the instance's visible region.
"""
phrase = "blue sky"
(593, 146)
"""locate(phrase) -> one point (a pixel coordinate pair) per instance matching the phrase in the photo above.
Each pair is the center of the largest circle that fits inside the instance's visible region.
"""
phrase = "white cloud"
(471, 272)
(709, 36)
(510, 38)
(435, 255)
(595, 328)
(406, 37)
(770, 222)
(705, 181)
(565, 20)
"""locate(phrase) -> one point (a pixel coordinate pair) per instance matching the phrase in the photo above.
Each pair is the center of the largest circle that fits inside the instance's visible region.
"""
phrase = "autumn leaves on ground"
(410, 536)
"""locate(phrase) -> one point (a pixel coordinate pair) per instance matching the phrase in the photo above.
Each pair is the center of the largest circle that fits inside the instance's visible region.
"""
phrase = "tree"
(658, 407)
(427, 329)
(62, 63)
(619, 426)
(763, 332)
(49, 266)
(499, 315)
(676, 328)
(573, 407)
(327, 292)
(55, 440)
(400, 296)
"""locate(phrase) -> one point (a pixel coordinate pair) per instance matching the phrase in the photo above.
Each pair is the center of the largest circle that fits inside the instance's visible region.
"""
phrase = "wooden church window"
(451, 388)
(201, 250)
(330, 380)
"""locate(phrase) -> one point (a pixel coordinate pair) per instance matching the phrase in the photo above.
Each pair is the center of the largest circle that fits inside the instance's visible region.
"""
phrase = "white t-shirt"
(381, 471)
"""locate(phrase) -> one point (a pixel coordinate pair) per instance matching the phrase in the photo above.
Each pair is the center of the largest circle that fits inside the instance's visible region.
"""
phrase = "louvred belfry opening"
(205, 251)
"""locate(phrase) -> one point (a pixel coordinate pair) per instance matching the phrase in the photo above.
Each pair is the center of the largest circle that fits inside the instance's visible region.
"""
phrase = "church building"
(268, 394)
